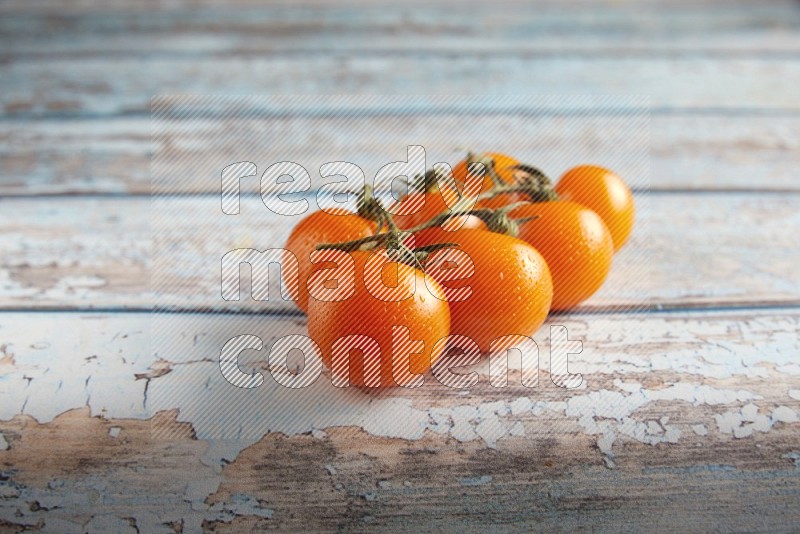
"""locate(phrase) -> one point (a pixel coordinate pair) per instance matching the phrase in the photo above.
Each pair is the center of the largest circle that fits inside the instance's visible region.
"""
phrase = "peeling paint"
(103, 523)
(197, 390)
(246, 505)
(7, 491)
(43, 384)
(74, 500)
(81, 287)
(517, 430)
(745, 422)
(605, 413)
(784, 414)
(14, 290)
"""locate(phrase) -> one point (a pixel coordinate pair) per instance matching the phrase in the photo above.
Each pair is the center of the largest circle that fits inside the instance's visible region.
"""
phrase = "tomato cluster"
(437, 272)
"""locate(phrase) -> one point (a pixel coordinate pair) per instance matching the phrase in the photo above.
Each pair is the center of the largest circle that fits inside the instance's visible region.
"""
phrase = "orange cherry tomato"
(510, 287)
(498, 201)
(417, 208)
(430, 205)
(406, 332)
(575, 243)
(604, 192)
(503, 166)
(332, 226)
(464, 222)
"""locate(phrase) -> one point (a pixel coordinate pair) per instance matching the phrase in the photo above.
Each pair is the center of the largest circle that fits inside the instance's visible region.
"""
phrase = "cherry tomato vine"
(539, 245)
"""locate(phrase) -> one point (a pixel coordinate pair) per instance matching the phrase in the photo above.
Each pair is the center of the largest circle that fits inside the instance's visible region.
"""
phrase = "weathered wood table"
(689, 416)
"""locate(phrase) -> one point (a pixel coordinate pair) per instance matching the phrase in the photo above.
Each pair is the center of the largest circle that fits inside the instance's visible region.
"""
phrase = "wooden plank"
(78, 7)
(670, 417)
(96, 86)
(520, 28)
(686, 152)
(130, 407)
(689, 250)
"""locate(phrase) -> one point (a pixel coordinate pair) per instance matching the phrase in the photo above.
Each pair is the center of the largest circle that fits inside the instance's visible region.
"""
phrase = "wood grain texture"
(517, 28)
(119, 421)
(83, 6)
(96, 252)
(672, 431)
(98, 87)
(686, 152)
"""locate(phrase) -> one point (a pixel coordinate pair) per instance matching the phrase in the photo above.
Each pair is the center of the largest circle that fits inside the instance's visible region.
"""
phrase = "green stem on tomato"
(536, 185)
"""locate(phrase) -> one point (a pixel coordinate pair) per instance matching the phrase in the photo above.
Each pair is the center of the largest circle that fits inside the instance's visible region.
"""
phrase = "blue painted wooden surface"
(689, 419)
